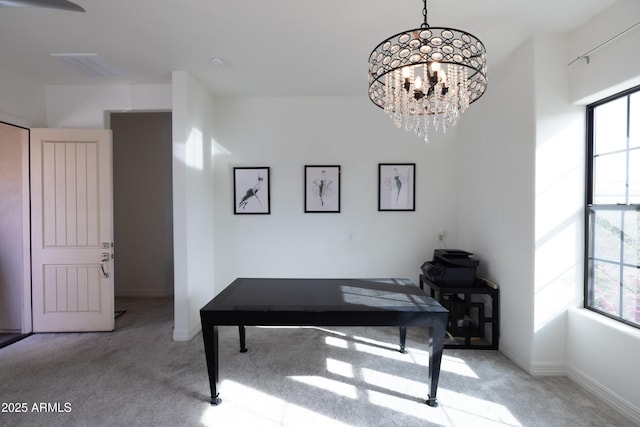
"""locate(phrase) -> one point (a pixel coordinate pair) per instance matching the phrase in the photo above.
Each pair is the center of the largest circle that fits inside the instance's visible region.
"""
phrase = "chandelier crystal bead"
(427, 71)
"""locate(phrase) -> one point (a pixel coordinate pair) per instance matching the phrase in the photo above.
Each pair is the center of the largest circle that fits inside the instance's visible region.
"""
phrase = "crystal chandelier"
(428, 72)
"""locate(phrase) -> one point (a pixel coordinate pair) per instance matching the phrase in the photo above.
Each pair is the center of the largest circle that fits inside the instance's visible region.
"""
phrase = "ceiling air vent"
(91, 64)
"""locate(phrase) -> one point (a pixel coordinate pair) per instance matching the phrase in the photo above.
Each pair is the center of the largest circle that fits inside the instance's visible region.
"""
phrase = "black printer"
(451, 267)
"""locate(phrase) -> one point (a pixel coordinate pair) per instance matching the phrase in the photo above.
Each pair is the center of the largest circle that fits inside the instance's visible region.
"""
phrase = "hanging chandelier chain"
(424, 14)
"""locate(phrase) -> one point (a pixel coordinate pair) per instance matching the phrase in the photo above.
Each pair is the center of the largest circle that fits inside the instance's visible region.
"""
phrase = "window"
(612, 279)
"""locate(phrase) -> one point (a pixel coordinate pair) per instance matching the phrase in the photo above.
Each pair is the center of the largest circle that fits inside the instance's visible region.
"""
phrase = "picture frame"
(396, 187)
(322, 188)
(251, 190)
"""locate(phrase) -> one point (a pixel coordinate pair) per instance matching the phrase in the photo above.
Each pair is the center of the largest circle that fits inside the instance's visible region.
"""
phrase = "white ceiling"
(270, 47)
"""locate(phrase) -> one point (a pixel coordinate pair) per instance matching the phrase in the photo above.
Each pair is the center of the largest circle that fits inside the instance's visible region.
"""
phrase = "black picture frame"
(322, 188)
(251, 190)
(396, 187)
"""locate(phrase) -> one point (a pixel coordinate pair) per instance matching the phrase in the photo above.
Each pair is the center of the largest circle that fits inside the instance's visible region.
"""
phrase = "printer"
(451, 267)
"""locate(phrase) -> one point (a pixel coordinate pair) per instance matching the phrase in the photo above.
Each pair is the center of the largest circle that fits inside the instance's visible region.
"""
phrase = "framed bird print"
(322, 188)
(251, 193)
(397, 187)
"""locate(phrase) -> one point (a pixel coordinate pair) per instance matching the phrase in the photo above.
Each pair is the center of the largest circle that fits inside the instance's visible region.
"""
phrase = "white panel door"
(72, 230)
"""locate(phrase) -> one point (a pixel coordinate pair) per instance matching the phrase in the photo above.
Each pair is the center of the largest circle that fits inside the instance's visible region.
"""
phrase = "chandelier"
(427, 76)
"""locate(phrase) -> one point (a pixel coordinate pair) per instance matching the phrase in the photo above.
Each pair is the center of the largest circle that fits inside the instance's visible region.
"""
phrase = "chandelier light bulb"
(418, 83)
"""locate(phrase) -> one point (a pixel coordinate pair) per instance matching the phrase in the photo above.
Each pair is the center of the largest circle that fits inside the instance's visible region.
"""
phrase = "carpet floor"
(138, 376)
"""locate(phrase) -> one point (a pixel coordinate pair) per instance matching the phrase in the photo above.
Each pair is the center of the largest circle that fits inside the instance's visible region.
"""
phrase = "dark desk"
(323, 302)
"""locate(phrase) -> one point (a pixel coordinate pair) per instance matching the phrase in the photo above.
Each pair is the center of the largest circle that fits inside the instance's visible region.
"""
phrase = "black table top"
(318, 295)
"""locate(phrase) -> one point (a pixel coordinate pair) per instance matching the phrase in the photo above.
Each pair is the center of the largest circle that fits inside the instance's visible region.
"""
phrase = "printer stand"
(473, 313)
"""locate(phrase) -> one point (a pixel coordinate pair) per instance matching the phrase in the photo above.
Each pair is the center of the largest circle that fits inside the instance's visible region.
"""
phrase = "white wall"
(488, 183)
(602, 354)
(88, 106)
(524, 215)
(495, 196)
(22, 101)
(614, 67)
(288, 133)
(559, 205)
(285, 134)
(193, 203)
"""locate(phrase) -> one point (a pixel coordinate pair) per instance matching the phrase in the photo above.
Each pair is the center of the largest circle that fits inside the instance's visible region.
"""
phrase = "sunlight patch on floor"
(462, 409)
(457, 366)
(336, 342)
(392, 382)
(295, 416)
(382, 349)
(330, 331)
(333, 386)
(338, 367)
(244, 406)
(418, 356)
(413, 407)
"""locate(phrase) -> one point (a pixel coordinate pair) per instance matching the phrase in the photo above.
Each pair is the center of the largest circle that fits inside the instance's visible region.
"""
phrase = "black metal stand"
(468, 320)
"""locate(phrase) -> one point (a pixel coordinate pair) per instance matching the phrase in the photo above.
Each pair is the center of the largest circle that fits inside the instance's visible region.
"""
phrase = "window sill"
(607, 322)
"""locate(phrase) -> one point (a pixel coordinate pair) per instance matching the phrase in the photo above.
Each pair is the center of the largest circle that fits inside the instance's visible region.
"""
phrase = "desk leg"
(403, 339)
(436, 347)
(243, 338)
(210, 338)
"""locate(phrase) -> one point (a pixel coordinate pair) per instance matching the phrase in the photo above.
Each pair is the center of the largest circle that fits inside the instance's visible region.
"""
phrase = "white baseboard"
(548, 369)
(186, 334)
(142, 293)
(604, 394)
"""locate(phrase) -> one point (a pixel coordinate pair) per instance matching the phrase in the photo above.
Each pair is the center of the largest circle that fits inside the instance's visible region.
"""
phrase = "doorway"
(143, 216)
(15, 276)
(143, 205)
